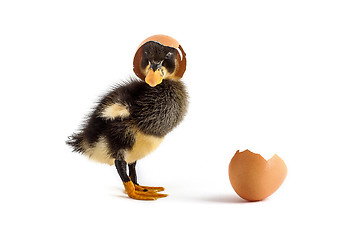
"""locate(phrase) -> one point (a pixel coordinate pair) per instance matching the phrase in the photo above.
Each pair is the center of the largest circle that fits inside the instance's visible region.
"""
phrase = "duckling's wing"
(114, 110)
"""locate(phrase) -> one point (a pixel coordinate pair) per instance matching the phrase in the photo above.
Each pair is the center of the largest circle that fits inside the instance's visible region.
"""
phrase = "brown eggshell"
(163, 39)
(253, 178)
(166, 41)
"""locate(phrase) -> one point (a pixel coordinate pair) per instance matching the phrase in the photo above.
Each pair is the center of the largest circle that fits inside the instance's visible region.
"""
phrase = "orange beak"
(153, 78)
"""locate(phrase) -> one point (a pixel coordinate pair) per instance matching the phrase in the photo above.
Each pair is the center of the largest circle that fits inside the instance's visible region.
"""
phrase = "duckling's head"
(159, 58)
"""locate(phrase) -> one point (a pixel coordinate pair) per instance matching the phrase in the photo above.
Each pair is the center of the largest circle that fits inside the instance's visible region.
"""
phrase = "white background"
(270, 76)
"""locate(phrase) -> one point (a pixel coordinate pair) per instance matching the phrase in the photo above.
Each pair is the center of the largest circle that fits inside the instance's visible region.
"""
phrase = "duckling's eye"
(168, 55)
(169, 63)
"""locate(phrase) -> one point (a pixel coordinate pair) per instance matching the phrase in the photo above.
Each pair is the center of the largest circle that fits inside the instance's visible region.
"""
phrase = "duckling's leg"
(132, 174)
(129, 185)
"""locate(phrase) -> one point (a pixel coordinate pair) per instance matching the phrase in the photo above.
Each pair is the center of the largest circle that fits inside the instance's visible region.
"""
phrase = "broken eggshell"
(166, 41)
(253, 178)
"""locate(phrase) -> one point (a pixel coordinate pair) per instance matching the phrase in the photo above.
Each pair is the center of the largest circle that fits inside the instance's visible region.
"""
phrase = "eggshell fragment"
(163, 39)
(166, 41)
(253, 178)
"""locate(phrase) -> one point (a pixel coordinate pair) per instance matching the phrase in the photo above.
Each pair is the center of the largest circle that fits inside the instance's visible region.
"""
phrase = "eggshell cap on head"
(166, 41)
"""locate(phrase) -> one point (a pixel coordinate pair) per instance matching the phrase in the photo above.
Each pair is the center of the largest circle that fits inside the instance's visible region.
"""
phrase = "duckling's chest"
(157, 113)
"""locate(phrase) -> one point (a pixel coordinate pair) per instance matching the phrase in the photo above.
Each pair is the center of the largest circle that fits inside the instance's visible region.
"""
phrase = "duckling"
(133, 118)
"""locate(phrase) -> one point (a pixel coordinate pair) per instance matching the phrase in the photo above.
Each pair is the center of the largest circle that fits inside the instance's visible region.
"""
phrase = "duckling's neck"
(162, 108)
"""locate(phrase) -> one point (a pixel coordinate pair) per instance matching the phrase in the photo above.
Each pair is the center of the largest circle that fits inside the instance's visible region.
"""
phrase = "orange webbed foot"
(137, 192)
(148, 189)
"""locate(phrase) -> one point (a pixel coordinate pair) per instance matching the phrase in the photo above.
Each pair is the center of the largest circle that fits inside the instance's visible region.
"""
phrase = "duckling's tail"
(75, 141)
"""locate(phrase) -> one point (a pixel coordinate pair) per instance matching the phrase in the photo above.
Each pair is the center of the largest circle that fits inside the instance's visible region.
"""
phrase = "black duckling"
(132, 119)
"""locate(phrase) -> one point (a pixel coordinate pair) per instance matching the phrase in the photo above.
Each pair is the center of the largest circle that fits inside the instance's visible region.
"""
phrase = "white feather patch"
(115, 110)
